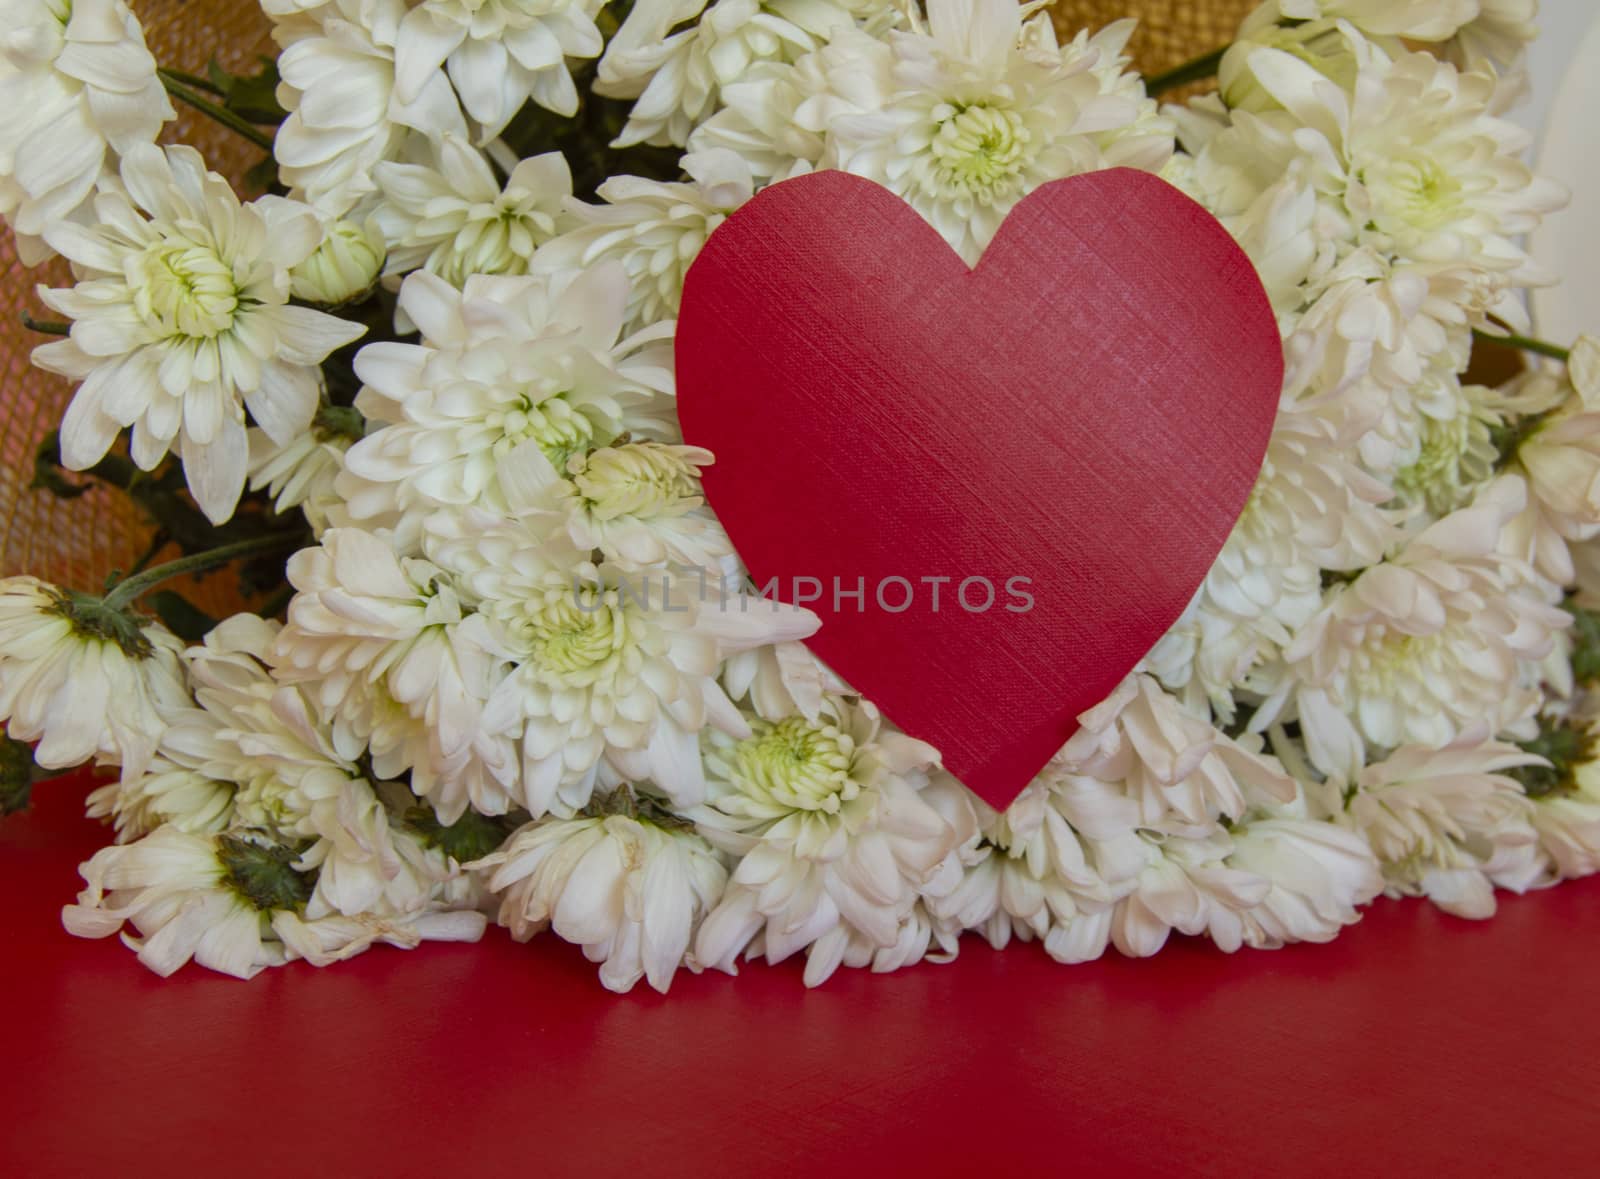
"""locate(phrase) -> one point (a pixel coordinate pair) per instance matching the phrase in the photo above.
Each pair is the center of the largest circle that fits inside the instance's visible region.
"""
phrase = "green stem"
(130, 588)
(194, 80)
(48, 327)
(1189, 71)
(222, 115)
(1527, 344)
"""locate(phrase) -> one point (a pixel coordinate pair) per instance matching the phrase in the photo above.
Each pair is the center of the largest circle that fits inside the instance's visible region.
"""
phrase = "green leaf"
(250, 96)
(1585, 644)
(17, 775)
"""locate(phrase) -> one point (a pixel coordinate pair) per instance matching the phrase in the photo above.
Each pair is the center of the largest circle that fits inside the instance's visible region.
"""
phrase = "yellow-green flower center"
(1415, 190)
(184, 289)
(559, 430)
(979, 149)
(577, 632)
(798, 763)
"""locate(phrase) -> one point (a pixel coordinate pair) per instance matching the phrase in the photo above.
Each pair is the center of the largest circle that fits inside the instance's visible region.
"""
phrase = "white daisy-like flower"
(967, 117)
(1186, 885)
(1435, 441)
(453, 217)
(1448, 823)
(1424, 646)
(677, 78)
(1319, 876)
(235, 903)
(534, 363)
(832, 831)
(1067, 846)
(1558, 452)
(337, 64)
(166, 794)
(182, 320)
(299, 784)
(1417, 162)
(302, 474)
(640, 505)
(1499, 35)
(629, 884)
(210, 898)
(606, 670)
(654, 229)
(498, 54)
(1180, 772)
(78, 87)
(83, 679)
(1312, 508)
(369, 627)
(1420, 20)
(1567, 820)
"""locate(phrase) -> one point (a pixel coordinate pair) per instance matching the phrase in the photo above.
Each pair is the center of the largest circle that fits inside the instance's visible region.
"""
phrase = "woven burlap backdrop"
(78, 542)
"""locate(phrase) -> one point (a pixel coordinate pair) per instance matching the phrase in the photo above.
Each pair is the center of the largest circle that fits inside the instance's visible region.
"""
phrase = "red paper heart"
(1087, 409)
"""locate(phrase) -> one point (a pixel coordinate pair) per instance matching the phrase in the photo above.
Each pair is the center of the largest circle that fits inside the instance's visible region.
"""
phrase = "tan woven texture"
(78, 542)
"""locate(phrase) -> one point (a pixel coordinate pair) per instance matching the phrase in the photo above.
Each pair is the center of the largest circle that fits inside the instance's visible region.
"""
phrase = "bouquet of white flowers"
(422, 384)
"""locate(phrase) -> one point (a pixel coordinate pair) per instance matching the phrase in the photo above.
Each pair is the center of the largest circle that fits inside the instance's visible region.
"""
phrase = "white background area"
(1563, 112)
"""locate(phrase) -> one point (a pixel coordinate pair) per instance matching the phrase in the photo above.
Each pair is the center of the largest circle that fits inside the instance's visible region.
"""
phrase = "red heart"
(1087, 409)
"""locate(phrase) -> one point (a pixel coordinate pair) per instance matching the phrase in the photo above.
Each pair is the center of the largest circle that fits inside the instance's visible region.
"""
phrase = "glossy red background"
(1415, 1044)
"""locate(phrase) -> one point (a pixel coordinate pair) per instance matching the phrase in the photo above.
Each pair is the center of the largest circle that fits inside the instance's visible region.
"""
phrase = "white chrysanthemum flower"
(182, 320)
(1180, 771)
(631, 888)
(1499, 35)
(1312, 508)
(1435, 441)
(209, 898)
(1423, 646)
(302, 474)
(83, 679)
(1447, 823)
(1186, 885)
(345, 114)
(1416, 161)
(1067, 846)
(1322, 44)
(654, 229)
(454, 219)
(1567, 820)
(532, 363)
(234, 903)
(1319, 876)
(77, 85)
(367, 627)
(166, 794)
(1558, 452)
(498, 54)
(974, 113)
(640, 504)
(832, 831)
(677, 79)
(298, 783)
(1420, 20)
(344, 268)
(606, 671)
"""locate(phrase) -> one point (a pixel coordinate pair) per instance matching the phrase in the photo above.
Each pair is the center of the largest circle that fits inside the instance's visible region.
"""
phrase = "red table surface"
(1416, 1043)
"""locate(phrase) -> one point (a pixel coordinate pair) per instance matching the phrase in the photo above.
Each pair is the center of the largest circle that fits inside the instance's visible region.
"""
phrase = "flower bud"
(1318, 43)
(343, 268)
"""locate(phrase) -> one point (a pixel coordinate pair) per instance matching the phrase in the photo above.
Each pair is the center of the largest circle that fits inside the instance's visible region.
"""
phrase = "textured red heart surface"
(998, 486)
